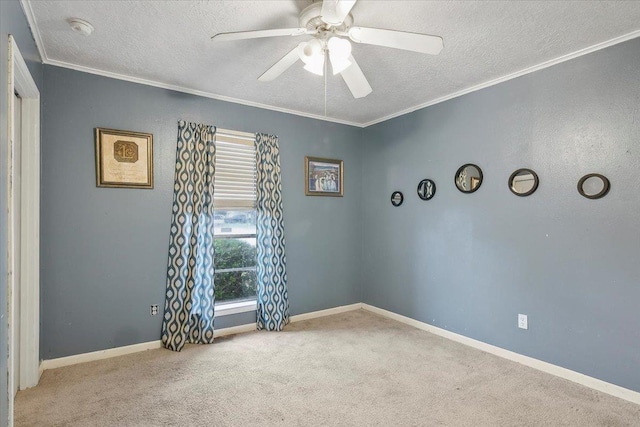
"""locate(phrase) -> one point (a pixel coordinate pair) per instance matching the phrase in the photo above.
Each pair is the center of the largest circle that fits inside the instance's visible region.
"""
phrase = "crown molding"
(26, 6)
(31, 20)
(196, 92)
(524, 71)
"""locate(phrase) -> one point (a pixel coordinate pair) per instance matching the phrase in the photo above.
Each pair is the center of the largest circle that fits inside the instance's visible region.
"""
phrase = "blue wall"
(104, 251)
(465, 263)
(12, 21)
(469, 263)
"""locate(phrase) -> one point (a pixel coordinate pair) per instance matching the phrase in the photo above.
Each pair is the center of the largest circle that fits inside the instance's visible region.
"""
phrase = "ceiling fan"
(331, 25)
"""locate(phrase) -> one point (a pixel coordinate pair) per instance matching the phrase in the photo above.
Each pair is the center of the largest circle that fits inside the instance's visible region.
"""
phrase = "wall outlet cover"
(523, 321)
(153, 310)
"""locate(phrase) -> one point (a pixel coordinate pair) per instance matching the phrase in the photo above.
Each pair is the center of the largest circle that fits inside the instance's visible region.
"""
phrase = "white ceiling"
(167, 43)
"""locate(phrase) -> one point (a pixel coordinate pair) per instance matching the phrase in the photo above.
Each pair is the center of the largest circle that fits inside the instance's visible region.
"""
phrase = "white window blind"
(235, 176)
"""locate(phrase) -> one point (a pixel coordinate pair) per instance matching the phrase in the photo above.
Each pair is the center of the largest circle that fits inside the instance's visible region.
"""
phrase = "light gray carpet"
(351, 369)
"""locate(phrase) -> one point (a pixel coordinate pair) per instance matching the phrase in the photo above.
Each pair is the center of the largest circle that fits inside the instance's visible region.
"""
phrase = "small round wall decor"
(468, 178)
(426, 189)
(594, 186)
(397, 198)
(523, 182)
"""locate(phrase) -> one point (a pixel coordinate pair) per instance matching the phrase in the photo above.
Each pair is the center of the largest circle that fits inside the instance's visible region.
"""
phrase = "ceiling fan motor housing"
(310, 19)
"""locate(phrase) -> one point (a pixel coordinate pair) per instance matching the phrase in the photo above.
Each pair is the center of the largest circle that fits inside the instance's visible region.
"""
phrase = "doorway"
(23, 227)
(13, 283)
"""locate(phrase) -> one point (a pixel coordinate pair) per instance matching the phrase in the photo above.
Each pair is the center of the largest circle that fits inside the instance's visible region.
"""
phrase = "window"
(235, 218)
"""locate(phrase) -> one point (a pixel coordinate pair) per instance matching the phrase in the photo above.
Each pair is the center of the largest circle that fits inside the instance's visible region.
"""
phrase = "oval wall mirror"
(593, 186)
(426, 189)
(523, 182)
(468, 178)
(397, 198)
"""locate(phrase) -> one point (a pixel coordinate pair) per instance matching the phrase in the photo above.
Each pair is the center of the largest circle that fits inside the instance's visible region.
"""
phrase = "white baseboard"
(327, 312)
(567, 374)
(98, 355)
(135, 348)
(594, 383)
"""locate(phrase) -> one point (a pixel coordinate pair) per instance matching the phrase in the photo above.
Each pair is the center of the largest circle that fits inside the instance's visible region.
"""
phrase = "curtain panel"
(190, 300)
(272, 298)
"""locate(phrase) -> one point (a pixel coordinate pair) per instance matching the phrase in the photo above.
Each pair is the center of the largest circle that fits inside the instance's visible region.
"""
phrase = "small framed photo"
(124, 159)
(323, 177)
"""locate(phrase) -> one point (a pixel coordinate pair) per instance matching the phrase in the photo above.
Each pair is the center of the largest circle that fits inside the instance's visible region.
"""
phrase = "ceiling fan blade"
(415, 42)
(334, 11)
(242, 35)
(355, 80)
(282, 65)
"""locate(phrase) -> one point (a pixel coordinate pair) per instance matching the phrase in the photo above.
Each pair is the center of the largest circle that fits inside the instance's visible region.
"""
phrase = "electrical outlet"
(523, 321)
(153, 310)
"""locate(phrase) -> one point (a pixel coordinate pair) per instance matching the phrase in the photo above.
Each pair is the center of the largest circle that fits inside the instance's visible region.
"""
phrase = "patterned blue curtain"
(272, 301)
(189, 304)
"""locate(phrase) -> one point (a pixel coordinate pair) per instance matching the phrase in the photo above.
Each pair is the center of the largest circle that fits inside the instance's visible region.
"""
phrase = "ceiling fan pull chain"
(325, 82)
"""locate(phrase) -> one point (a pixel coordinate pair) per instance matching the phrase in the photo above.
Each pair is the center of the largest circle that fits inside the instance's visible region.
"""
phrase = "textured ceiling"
(168, 42)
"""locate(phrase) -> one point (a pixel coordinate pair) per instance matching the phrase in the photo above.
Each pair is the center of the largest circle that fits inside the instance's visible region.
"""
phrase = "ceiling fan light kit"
(315, 67)
(339, 53)
(330, 24)
(312, 54)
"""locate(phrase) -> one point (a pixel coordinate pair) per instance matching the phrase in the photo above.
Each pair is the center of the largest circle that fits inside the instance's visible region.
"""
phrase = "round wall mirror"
(468, 178)
(397, 198)
(593, 186)
(523, 182)
(426, 189)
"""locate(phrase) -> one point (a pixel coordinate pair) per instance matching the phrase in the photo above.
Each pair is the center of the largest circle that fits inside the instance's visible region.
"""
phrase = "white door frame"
(21, 81)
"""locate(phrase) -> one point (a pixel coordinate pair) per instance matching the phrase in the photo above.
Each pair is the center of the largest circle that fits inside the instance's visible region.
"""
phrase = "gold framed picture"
(323, 177)
(124, 159)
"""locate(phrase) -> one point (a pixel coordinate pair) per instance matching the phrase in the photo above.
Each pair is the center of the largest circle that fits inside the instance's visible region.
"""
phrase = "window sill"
(226, 309)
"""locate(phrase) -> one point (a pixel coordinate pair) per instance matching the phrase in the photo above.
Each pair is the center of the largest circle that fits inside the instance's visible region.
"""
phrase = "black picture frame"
(422, 189)
(393, 197)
